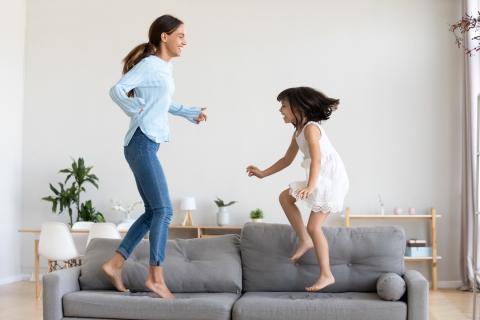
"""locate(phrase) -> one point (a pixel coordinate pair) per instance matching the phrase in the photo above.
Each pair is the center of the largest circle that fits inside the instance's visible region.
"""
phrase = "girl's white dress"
(332, 183)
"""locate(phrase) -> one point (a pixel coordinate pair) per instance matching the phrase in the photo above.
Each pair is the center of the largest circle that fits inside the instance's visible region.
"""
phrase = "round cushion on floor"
(390, 286)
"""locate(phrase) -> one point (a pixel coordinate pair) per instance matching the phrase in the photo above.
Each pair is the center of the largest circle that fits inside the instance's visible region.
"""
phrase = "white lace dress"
(332, 183)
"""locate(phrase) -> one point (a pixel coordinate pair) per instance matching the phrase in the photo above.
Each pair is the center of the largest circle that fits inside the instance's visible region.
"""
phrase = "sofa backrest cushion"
(191, 265)
(358, 257)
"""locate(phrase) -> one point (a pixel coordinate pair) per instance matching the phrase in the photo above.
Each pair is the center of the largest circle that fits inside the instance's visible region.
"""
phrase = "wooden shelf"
(392, 216)
(208, 231)
(206, 227)
(432, 218)
(236, 228)
(407, 258)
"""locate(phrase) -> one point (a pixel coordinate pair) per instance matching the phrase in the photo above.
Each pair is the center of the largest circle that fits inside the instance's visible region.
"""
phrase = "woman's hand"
(202, 116)
(254, 171)
(304, 192)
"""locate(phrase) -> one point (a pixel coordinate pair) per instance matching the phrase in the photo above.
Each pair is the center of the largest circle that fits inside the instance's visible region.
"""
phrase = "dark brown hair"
(308, 104)
(165, 23)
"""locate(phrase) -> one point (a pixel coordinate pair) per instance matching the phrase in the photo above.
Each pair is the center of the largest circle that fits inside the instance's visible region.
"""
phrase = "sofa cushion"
(316, 306)
(191, 265)
(358, 256)
(390, 286)
(143, 305)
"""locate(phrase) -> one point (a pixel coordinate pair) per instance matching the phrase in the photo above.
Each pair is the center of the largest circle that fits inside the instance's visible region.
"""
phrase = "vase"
(223, 216)
(382, 210)
(397, 210)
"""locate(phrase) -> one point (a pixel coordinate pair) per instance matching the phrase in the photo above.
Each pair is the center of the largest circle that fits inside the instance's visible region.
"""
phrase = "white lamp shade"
(188, 204)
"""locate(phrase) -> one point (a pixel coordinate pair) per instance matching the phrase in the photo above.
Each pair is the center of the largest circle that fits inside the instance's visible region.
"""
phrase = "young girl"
(327, 183)
(145, 95)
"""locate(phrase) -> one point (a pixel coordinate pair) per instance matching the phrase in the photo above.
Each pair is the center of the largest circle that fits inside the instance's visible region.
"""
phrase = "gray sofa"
(247, 277)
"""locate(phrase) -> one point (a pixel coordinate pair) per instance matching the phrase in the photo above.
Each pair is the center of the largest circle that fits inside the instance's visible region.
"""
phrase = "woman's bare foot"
(302, 248)
(321, 283)
(159, 288)
(114, 273)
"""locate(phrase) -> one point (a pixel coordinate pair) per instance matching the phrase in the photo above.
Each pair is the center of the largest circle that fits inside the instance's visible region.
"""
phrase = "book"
(413, 243)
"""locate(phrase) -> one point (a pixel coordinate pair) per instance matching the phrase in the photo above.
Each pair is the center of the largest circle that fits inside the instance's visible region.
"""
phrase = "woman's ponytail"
(136, 54)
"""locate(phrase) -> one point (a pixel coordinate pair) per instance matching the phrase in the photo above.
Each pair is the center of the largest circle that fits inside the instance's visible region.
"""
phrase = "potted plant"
(126, 210)
(223, 216)
(64, 197)
(127, 221)
(89, 213)
(256, 215)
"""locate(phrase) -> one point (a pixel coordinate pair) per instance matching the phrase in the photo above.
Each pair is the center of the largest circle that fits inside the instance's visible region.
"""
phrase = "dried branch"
(467, 23)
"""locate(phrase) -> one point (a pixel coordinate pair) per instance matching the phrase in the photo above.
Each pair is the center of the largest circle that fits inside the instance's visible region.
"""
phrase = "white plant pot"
(223, 216)
(257, 220)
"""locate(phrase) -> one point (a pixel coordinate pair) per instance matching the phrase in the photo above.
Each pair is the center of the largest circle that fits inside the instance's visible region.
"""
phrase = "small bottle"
(380, 202)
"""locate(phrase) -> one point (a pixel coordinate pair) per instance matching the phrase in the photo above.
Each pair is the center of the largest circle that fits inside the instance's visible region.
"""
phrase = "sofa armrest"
(417, 295)
(55, 286)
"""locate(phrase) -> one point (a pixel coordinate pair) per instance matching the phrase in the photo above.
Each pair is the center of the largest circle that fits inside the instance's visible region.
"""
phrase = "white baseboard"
(449, 284)
(16, 278)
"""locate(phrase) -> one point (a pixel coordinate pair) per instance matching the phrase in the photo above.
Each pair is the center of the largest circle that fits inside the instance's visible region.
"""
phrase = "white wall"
(394, 65)
(12, 63)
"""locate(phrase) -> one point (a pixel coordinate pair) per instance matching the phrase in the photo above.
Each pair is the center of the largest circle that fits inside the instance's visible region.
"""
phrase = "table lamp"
(188, 205)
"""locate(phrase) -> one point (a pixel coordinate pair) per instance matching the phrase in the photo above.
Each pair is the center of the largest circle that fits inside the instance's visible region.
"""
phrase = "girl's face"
(287, 112)
(174, 43)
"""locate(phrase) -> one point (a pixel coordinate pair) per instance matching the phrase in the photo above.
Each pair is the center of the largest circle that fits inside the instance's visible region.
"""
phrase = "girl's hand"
(202, 116)
(254, 171)
(304, 192)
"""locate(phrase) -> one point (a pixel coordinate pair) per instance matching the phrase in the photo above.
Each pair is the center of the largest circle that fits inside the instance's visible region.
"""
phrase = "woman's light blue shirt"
(152, 81)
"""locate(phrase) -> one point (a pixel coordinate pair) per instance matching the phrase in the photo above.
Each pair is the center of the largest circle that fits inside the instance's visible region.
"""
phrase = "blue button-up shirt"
(152, 81)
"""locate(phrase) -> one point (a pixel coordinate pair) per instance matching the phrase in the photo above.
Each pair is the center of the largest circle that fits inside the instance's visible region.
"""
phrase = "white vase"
(257, 220)
(223, 216)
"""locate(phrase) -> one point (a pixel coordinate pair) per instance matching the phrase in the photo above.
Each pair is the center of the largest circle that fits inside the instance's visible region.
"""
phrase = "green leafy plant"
(89, 213)
(256, 214)
(220, 203)
(66, 197)
(63, 199)
(81, 175)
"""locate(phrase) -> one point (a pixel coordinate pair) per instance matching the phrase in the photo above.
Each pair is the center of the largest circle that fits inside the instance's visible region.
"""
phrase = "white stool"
(56, 244)
(103, 230)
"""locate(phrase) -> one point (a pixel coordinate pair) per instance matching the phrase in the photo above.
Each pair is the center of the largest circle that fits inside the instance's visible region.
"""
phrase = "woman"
(144, 93)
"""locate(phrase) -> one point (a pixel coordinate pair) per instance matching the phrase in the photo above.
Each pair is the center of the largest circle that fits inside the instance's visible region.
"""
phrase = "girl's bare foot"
(321, 283)
(159, 288)
(302, 248)
(115, 275)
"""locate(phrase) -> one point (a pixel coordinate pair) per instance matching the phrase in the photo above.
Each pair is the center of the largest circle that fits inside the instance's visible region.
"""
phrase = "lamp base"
(187, 221)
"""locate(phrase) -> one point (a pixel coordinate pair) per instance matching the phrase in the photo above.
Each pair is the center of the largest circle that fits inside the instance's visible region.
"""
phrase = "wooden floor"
(17, 301)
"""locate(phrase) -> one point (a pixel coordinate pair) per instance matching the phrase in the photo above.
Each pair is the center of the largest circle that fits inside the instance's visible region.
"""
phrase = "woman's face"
(175, 42)
(287, 112)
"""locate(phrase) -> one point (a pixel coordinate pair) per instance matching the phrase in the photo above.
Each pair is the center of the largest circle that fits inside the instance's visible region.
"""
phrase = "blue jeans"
(141, 155)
